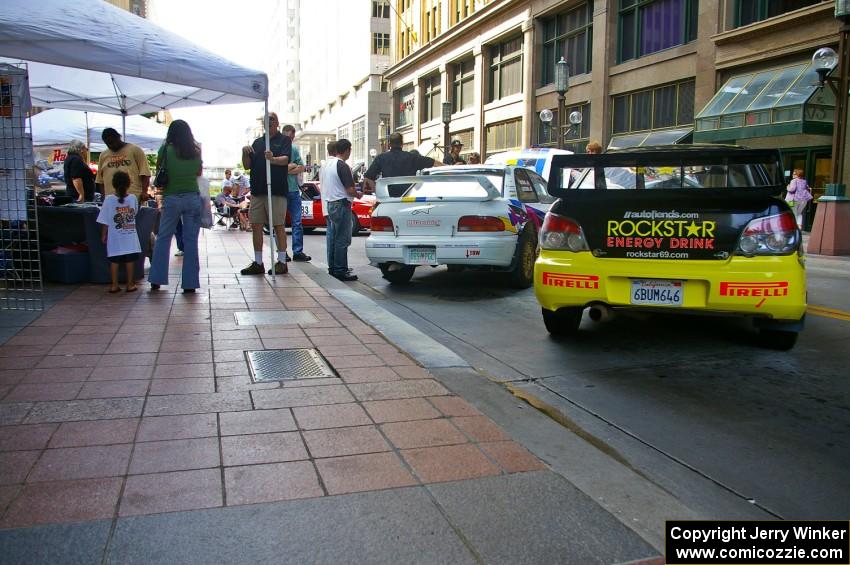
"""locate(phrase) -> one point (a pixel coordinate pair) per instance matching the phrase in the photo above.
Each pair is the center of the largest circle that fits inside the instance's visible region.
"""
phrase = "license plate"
(307, 210)
(657, 292)
(421, 255)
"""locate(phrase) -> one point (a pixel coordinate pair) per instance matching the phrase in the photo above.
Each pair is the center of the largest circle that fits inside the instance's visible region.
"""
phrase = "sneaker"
(301, 257)
(179, 253)
(346, 277)
(279, 268)
(253, 269)
(233, 226)
(288, 258)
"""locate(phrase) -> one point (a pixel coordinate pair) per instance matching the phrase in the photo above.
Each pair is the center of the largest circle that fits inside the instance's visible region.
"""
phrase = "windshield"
(497, 178)
(680, 177)
(435, 189)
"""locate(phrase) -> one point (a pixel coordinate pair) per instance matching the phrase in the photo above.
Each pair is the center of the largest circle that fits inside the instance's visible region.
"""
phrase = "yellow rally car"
(679, 228)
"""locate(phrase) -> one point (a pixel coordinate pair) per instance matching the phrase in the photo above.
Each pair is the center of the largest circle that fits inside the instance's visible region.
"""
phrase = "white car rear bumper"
(463, 250)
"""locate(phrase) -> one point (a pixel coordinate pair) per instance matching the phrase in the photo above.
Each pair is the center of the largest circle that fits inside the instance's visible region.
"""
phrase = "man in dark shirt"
(453, 157)
(395, 163)
(254, 157)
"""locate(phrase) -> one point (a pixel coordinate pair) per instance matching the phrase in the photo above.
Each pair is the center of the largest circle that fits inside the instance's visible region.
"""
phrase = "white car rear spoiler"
(399, 186)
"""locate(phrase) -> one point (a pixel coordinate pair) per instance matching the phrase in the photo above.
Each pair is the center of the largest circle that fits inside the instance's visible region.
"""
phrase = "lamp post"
(830, 235)
(382, 135)
(447, 118)
(545, 117)
(562, 85)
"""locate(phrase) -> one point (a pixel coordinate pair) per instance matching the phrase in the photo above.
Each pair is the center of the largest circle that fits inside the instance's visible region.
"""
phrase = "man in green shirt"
(293, 201)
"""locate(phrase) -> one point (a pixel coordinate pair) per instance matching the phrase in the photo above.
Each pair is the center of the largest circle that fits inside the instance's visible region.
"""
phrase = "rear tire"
(522, 275)
(564, 322)
(779, 340)
(400, 276)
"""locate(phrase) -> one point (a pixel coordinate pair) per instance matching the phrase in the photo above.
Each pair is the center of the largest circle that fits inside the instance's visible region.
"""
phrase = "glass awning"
(653, 137)
(779, 101)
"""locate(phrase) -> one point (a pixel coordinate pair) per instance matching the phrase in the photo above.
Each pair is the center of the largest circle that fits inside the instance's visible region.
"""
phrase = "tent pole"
(269, 186)
(88, 136)
(123, 124)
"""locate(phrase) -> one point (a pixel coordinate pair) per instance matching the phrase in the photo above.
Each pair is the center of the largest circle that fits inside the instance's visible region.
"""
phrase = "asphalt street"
(689, 403)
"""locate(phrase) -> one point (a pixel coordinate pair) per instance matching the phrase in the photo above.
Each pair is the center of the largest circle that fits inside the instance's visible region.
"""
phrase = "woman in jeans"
(180, 202)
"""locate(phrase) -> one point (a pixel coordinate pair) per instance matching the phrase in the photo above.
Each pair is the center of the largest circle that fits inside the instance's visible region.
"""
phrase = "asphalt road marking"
(828, 312)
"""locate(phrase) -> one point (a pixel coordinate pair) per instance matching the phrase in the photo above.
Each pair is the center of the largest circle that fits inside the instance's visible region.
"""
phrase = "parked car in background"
(312, 216)
(537, 159)
(469, 216)
(674, 229)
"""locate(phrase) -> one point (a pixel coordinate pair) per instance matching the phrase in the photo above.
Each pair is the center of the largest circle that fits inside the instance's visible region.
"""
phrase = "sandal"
(114, 290)
(134, 289)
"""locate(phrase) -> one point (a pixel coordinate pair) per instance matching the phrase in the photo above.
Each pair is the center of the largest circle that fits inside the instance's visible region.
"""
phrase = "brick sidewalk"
(130, 404)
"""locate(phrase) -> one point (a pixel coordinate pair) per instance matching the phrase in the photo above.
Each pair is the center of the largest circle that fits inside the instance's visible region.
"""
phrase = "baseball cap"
(456, 142)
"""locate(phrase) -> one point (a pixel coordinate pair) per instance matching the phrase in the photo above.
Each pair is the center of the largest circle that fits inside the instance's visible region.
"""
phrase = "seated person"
(225, 202)
(241, 185)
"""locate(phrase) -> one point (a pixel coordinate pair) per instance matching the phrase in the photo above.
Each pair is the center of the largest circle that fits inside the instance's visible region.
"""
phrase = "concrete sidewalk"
(131, 431)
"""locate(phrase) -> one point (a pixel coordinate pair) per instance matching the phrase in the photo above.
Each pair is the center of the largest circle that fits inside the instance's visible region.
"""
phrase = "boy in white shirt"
(118, 230)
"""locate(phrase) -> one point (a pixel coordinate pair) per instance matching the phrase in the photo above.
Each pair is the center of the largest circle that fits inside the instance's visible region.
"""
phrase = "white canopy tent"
(89, 55)
(58, 127)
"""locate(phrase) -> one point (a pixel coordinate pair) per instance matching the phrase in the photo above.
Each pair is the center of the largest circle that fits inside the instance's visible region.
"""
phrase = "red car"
(311, 209)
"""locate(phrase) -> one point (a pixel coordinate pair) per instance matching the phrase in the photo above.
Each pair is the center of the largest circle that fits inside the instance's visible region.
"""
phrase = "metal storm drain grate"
(275, 317)
(287, 364)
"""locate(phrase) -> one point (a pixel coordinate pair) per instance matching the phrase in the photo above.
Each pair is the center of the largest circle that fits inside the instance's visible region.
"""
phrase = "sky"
(229, 29)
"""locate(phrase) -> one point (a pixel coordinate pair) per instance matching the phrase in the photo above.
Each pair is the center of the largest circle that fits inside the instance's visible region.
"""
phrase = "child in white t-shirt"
(118, 230)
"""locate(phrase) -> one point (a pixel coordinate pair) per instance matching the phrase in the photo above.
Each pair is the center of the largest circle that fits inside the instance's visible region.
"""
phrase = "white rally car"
(471, 216)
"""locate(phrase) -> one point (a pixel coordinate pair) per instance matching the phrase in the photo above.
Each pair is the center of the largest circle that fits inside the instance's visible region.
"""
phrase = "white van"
(538, 159)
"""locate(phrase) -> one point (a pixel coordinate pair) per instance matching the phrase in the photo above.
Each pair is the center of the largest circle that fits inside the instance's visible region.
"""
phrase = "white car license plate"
(421, 255)
(657, 292)
(307, 210)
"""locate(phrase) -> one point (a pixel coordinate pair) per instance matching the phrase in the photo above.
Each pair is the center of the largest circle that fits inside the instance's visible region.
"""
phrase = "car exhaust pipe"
(601, 313)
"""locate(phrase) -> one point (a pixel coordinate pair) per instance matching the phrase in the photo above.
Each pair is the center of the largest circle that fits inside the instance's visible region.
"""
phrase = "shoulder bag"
(161, 178)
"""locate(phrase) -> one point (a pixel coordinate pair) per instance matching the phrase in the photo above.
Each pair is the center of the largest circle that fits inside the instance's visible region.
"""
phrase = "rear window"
(680, 177)
(434, 189)
(497, 178)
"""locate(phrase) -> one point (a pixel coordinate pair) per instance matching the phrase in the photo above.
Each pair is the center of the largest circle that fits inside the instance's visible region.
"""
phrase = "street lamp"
(829, 235)
(447, 118)
(562, 85)
(545, 117)
(382, 135)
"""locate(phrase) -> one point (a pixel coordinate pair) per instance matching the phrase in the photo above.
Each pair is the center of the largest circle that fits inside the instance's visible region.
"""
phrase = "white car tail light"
(562, 234)
(381, 223)
(772, 235)
(480, 223)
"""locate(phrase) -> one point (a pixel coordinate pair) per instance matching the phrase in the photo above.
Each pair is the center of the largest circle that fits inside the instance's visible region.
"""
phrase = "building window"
(567, 35)
(647, 26)
(380, 44)
(465, 137)
(342, 132)
(504, 136)
(464, 85)
(461, 9)
(405, 102)
(505, 69)
(655, 108)
(431, 98)
(380, 8)
(751, 11)
(359, 141)
(575, 138)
